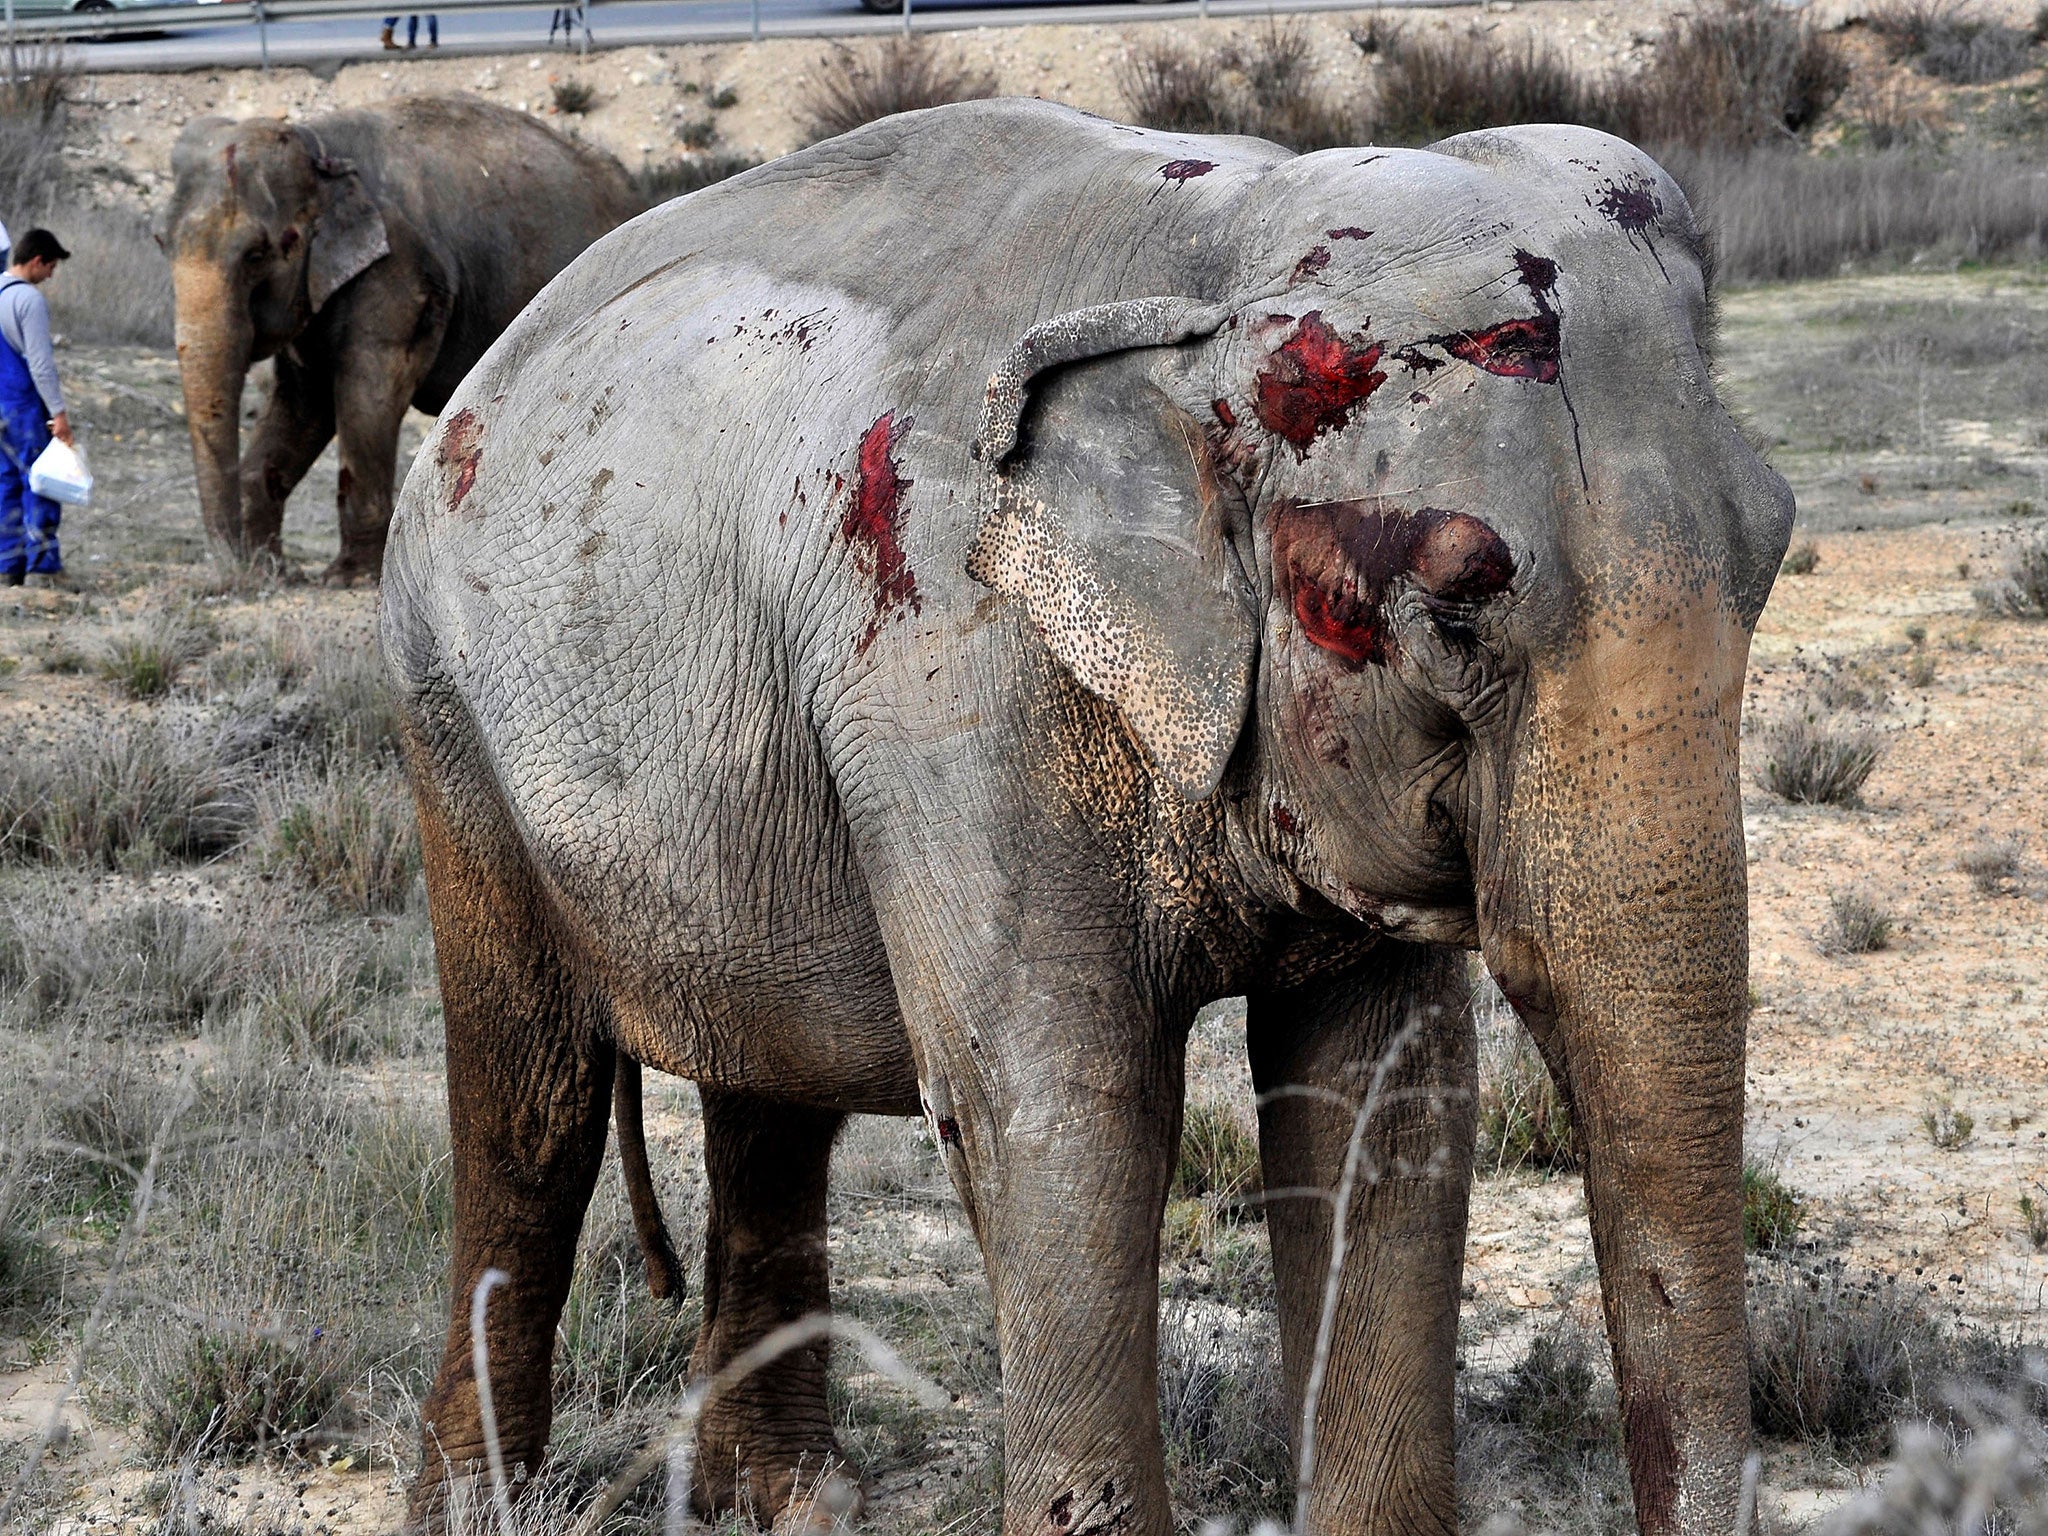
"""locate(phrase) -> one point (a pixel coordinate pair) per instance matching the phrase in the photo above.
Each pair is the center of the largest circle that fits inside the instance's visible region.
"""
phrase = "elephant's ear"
(1104, 514)
(350, 234)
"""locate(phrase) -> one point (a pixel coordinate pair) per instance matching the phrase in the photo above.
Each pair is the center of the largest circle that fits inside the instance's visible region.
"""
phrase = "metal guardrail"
(110, 25)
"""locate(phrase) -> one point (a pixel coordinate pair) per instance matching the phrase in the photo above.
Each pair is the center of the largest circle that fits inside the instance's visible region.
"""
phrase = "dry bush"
(1772, 1210)
(1219, 1155)
(661, 180)
(851, 86)
(1803, 559)
(1859, 923)
(2022, 592)
(34, 107)
(1778, 217)
(1947, 1127)
(1816, 758)
(1223, 1412)
(1948, 40)
(1267, 86)
(146, 657)
(1553, 1395)
(232, 1391)
(1993, 864)
(345, 831)
(1836, 1358)
(883, 1155)
(116, 288)
(1523, 1120)
(140, 790)
(1733, 74)
(1437, 83)
(572, 96)
(151, 962)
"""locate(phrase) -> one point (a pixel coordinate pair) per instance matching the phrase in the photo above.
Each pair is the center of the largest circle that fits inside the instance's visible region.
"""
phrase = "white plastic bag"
(59, 473)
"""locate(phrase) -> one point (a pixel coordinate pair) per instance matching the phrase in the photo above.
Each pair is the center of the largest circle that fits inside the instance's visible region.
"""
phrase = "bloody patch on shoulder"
(461, 450)
(1186, 170)
(1652, 1444)
(873, 521)
(1309, 265)
(1631, 202)
(1286, 820)
(1538, 274)
(1415, 360)
(1313, 382)
(1348, 232)
(1523, 348)
(1339, 561)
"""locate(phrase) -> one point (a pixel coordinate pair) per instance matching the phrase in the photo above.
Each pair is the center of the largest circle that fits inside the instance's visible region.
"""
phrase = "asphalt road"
(215, 40)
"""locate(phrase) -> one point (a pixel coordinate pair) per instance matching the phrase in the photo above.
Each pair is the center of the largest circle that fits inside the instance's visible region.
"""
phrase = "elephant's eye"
(257, 254)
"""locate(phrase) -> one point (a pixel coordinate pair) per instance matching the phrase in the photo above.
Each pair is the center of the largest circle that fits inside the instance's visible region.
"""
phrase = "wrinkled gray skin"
(763, 732)
(374, 255)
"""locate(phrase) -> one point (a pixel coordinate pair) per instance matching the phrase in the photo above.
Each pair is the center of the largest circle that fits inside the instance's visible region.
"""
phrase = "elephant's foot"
(347, 569)
(803, 1484)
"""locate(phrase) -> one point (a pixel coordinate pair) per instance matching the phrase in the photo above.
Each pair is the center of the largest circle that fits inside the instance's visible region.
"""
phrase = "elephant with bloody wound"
(374, 255)
(899, 631)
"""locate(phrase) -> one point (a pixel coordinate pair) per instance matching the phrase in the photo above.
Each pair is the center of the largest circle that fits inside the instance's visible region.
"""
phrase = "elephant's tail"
(664, 1271)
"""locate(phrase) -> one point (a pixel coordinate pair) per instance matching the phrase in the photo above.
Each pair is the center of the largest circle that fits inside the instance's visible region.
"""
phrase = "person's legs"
(433, 30)
(13, 543)
(390, 25)
(39, 519)
(412, 31)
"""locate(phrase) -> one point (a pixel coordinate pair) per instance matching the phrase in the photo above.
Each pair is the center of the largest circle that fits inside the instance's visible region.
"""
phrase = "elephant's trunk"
(1616, 921)
(214, 340)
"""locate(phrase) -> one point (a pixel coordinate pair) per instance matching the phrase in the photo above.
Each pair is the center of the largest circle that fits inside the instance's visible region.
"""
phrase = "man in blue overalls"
(31, 413)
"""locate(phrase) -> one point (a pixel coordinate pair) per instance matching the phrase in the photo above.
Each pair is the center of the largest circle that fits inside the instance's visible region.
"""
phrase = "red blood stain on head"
(1179, 171)
(1514, 349)
(873, 521)
(1632, 203)
(461, 451)
(1285, 820)
(1348, 232)
(1313, 382)
(1538, 274)
(1310, 265)
(1339, 561)
(1224, 413)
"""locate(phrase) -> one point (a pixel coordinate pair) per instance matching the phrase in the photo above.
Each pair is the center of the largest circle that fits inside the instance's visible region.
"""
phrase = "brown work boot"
(387, 39)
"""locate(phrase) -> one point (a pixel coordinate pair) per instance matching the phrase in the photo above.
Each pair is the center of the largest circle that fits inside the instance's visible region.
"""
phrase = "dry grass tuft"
(1859, 923)
(853, 86)
(1772, 1210)
(345, 831)
(146, 658)
(1993, 864)
(146, 790)
(1523, 1119)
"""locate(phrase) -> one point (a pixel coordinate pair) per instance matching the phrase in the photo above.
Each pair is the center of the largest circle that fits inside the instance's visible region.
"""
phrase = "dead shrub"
(1859, 923)
(1219, 1155)
(1553, 1395)
(1433, 84)
(1732, 74)
(232, 1392)
(1772, 1210)
(346, 832)
(1523, 1119)
(34, 108)
(1818, 759)
(146, 790)
(1222, 1412)
(573, 97)
(153, 962)
(1802, 559)
(852, 86)
(661, 180)
(1267, 86)
(883, 1155)
(1948, 40)
(2022, 592)
(145, 658)
(1993, 864)
(1835, 1358)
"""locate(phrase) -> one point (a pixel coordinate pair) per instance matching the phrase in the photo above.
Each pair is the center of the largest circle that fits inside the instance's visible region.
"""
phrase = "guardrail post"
(13, 72)
(906, 18)
(262, 32)
(757, 20)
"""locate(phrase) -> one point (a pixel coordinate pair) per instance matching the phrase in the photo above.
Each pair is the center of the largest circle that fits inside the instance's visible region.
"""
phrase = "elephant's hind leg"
(1385, 1420)
(764, 1265)
(529, 1089)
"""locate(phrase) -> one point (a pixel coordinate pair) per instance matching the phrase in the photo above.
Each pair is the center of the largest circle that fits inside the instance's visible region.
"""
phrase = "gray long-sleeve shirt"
(25, 326)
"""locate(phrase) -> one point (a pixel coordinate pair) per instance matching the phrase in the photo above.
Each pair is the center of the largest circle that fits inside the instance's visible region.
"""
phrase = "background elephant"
(374, 255)
(1064, 574)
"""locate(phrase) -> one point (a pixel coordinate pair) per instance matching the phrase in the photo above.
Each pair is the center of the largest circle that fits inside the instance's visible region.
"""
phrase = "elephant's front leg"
(397, 339)
(296, 424)
(1383, 1434)
(1058, 1112)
